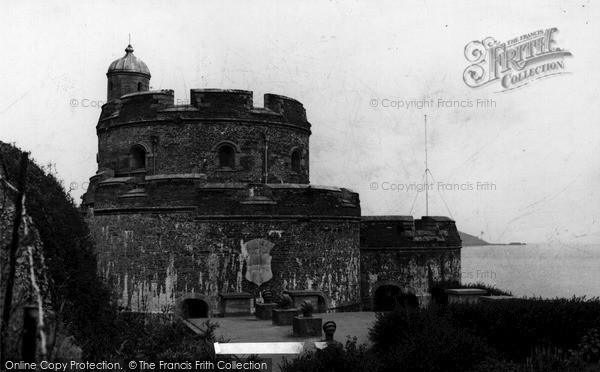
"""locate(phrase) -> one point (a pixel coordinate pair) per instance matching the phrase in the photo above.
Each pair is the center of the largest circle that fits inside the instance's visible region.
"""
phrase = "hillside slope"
(468, 240)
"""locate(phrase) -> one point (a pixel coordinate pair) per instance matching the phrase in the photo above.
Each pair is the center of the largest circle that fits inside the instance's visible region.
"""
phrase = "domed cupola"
(126, 75)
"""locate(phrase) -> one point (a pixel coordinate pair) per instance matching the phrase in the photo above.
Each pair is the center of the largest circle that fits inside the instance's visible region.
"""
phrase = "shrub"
(153, 338)
(551, 359)
(589, 347)
(425, 340)
(515, 327)
(335, 358)
(518, 335)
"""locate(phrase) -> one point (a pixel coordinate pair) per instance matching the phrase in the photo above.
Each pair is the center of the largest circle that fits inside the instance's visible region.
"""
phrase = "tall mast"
(426, 171)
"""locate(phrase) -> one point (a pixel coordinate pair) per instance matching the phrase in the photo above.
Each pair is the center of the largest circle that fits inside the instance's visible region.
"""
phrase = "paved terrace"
(250, 329)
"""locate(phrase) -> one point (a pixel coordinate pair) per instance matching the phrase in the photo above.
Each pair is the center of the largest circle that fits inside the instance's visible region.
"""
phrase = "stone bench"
(465, 295)
(235, 303)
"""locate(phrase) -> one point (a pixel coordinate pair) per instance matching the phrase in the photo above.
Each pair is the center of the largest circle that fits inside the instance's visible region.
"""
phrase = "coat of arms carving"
(258, 260)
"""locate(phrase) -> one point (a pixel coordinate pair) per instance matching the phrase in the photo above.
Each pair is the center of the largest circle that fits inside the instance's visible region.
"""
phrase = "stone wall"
(191, 147)
(407, 254)
(156, 260)
(412, 271)
(185, 139)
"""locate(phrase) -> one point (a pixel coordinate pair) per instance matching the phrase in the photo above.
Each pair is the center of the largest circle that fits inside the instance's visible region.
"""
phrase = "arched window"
(140, 86)
(226, 154)
(296, 161)
(110, 86)
(137, 157)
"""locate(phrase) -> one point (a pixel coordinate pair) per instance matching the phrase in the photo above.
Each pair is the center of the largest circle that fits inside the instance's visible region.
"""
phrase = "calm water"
(535, 270)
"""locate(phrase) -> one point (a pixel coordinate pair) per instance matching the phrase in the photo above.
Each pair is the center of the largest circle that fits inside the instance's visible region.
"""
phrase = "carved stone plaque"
(258, 261)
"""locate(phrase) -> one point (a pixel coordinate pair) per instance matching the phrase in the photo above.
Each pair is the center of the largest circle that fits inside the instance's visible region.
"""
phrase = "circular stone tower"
(193, 202)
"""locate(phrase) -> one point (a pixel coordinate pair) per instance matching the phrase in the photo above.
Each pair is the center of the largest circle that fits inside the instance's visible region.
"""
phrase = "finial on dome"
(129, 49)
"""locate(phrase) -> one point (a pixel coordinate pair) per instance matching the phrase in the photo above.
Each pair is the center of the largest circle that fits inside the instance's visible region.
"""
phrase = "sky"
(356, 66)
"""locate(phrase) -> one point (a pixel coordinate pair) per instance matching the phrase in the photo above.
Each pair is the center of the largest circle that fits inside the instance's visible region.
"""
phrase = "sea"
(535, 270)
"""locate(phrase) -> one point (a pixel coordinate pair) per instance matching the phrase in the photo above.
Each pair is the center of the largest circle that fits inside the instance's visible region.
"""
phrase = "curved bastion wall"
(186, 238)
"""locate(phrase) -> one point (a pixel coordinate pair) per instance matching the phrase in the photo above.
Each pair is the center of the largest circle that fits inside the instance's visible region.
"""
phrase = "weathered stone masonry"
(407, 254)
(157, 257)
(185, 257)
(191, 201)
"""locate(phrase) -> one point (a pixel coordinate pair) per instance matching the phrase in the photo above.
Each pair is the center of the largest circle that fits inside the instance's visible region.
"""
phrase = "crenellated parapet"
(400, 254)
(135, 107)
(221, 105)
(402, 233)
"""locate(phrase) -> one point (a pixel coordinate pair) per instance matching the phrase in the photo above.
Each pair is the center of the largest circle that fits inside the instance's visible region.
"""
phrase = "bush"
(589, 347)
(154, 338)
(425, 340)
(161, 337)
(335, 358)
(518, 335)
(551, 359)
(516, 327)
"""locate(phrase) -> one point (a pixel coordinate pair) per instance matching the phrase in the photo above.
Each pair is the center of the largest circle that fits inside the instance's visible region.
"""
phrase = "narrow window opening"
(138, 157)
(296, 167)
(226, 157)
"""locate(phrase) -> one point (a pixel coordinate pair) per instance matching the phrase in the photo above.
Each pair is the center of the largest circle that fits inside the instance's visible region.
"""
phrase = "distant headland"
(471, 240)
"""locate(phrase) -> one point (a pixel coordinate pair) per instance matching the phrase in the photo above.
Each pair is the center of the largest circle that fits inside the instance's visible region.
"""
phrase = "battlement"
(204, 104)
(138, 105)
(221, 99)
(404, 232)
(288, 107)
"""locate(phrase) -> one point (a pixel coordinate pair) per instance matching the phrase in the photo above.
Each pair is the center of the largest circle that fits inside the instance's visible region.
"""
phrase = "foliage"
(517, 335)
(589, 347)
(550, 359)
(335, 358)
(155, 337)
(76, 292)
(514, 327)
(425, 340)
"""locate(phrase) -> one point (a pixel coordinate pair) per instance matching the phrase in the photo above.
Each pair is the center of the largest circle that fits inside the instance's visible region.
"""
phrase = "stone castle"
(195, 202)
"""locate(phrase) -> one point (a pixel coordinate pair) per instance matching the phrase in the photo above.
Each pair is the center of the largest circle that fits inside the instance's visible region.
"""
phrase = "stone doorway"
(193, 308)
